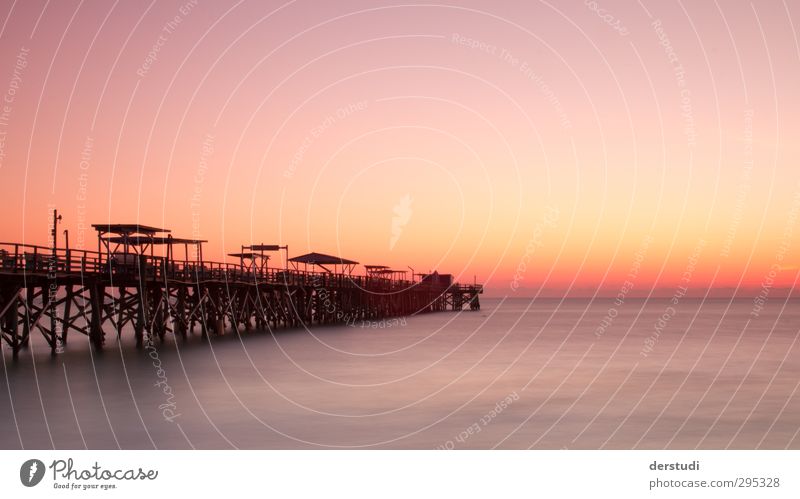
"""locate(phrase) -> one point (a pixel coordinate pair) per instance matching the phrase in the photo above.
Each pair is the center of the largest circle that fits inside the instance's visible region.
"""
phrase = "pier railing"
(38, 260)
(59, 290)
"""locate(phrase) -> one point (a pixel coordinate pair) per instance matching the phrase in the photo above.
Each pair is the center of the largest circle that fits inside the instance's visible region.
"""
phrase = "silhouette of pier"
(126, 286)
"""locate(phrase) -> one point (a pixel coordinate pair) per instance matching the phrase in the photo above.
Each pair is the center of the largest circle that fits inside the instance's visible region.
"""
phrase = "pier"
(125, 284)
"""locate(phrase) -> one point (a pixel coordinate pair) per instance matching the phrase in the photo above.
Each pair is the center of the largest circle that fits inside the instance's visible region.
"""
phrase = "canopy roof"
(136, 240)
(263, 247)
(249, 255)
(128, 229)
(322, 259)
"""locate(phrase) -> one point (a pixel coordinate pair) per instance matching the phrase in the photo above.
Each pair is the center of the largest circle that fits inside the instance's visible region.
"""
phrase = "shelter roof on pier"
(321, 260)
(248, 255)
(157, 240)
(128, 229)
(263, 247)
(131, 237)
(251, 260)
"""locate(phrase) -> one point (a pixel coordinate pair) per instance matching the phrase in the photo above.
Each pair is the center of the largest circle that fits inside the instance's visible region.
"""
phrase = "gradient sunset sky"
(535, 145)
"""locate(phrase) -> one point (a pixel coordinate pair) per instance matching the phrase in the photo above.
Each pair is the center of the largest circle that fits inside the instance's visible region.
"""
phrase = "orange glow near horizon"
(534, 147)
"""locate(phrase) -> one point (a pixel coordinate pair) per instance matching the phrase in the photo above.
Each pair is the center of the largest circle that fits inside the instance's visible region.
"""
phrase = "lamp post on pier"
(54, 230)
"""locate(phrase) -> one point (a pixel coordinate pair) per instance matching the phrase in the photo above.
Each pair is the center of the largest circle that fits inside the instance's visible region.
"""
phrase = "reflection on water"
(514, 375)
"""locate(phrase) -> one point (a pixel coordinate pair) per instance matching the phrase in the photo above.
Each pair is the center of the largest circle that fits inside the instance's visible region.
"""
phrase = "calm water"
(514, 375)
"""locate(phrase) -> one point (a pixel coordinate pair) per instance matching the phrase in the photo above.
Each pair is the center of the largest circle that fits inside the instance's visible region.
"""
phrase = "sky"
(581, 147)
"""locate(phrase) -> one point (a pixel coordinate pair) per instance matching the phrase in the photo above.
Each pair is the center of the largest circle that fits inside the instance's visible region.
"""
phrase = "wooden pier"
(124, 284)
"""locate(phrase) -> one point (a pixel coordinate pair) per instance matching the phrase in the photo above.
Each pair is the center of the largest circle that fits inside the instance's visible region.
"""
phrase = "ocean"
(518, 374)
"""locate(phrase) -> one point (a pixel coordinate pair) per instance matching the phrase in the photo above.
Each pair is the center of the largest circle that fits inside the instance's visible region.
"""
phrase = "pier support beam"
(96, 298)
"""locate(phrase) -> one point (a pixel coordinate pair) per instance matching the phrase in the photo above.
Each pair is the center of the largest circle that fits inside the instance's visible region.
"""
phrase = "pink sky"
(534, 145)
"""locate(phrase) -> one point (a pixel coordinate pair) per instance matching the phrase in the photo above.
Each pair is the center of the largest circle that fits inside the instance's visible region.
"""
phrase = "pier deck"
(56, 291)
